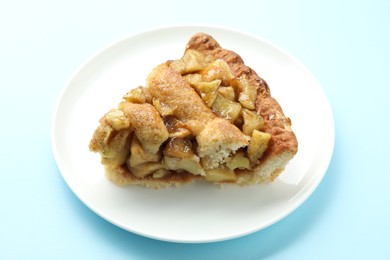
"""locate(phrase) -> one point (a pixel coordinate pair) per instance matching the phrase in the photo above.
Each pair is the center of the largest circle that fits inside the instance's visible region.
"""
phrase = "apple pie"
(205, 116)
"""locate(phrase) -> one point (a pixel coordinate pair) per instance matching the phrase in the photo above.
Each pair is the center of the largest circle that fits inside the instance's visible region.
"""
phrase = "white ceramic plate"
(198, 212)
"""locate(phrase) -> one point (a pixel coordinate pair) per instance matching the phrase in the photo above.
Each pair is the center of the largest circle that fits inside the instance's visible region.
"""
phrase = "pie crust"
(206, 116)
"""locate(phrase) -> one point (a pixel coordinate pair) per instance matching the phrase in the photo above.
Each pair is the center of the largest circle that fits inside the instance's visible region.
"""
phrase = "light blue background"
(344, 43)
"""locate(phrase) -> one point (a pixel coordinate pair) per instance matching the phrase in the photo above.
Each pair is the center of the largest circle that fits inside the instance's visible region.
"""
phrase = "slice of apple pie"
(205, 116)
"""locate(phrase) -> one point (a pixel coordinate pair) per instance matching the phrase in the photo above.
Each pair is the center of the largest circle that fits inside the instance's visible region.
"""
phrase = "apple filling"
(194, 115)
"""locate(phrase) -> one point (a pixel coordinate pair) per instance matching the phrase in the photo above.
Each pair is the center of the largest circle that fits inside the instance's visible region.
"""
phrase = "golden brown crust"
(166, 85)
(283, 140)
(147, 124)
(189, 108)
(207, 44)
(121, 176)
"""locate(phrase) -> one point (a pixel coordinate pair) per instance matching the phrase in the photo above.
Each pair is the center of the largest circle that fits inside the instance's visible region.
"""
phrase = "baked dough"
(205, 116)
